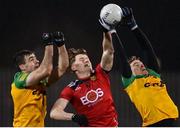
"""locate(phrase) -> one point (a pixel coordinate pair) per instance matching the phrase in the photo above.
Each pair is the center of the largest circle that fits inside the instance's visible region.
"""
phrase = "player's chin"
(87, 68)
(145, 72)
(37, 66)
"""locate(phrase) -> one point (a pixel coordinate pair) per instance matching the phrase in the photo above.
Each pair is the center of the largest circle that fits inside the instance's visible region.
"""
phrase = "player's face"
(138, 68)
(31, 63)
(82, 63)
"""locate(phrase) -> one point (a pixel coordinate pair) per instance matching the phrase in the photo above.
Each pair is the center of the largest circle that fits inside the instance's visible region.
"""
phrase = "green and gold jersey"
(29, 102)
(150, 97)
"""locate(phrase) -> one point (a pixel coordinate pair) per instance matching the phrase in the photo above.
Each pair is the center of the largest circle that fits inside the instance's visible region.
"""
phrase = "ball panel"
(111, 14)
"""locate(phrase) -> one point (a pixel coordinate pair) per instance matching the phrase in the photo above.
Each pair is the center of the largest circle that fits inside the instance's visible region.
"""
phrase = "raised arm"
(63, 60)
(125, 67)
(108, 52)
(45, 68)
(145, 44)
(126, 70)
(108, 49)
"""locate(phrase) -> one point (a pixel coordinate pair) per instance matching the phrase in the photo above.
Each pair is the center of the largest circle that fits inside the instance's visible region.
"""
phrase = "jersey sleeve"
(103, 75)
(147, 49)
(121, 56)
(100, 70)
(67, 93)
(20, 79)
(127, 81)
(153, 73)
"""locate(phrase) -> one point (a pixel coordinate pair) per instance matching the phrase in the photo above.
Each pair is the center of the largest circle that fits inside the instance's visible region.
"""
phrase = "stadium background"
(23, 22)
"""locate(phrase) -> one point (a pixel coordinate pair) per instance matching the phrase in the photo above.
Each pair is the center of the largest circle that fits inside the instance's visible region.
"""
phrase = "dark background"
(23, 22)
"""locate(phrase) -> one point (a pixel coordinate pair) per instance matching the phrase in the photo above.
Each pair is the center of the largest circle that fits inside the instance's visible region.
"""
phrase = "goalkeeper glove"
(128, 18)
(47, 38)
(58, 38)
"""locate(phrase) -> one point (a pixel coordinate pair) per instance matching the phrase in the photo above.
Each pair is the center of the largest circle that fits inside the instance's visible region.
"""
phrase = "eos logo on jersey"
(92, 96)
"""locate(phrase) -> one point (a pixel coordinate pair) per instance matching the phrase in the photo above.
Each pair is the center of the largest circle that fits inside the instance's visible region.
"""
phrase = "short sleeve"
(20, 79)
(152, 72)
(100, 70)
(67, 93)
(127, 81)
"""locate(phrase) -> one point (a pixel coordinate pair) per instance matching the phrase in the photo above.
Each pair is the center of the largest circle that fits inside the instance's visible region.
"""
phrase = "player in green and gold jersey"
(28, 89)
(143, 83)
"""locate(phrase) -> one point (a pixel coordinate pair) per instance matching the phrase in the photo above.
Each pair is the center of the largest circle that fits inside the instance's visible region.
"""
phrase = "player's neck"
(83, 75)
(24, 71)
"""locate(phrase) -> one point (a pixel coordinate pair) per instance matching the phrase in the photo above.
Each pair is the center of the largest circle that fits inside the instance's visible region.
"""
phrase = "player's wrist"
(112, 31)
(48, 44)
(73, 117)
(59, 43)
(134, 27)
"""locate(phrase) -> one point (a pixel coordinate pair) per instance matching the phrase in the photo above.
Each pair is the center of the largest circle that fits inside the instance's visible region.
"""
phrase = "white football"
(111, 14)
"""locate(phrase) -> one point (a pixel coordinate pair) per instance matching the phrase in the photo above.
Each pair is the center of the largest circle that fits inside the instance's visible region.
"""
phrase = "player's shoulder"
(100, 69)
(74, 84)
(20, 76)
(153, 73)
(20, 79)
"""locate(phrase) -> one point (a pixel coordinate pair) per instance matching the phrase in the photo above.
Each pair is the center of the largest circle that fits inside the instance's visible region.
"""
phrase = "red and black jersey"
(93, 98)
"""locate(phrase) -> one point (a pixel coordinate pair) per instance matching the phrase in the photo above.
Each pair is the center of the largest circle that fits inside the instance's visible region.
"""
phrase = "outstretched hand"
(106, 27)
(80, 119)
(58, 38)
(128, 18)
(47, 39)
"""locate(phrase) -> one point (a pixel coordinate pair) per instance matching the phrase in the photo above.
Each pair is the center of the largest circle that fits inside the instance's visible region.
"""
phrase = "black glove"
(128, 18)
(47, 38)
(80, 119)
(58, 38)
(106, 27)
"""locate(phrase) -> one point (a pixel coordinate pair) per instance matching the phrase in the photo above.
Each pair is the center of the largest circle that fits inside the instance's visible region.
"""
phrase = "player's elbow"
(109, 52)
(53, 114)
(47, 70)
(65, 65)
(62, 69)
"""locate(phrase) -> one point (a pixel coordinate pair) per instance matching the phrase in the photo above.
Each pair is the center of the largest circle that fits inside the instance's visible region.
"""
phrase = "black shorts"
(164, 123)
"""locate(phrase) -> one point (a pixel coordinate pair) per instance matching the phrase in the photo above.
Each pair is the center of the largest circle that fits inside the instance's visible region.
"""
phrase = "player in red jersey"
(90, 94)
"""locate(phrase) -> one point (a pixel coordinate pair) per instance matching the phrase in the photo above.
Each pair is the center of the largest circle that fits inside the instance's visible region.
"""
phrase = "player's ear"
(22, 67)
(73, 67)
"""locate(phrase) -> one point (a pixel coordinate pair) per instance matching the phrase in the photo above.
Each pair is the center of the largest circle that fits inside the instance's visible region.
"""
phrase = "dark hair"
(132, 58)
(19, 57)
(72, 52)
